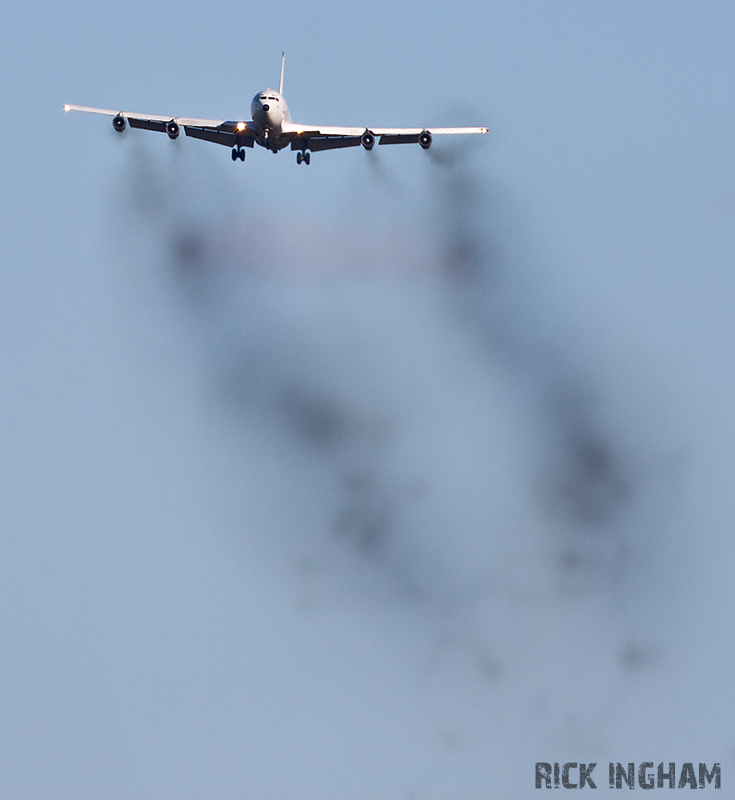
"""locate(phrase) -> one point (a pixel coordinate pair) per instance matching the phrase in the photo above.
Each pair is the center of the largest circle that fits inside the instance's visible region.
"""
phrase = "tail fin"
(280, 85)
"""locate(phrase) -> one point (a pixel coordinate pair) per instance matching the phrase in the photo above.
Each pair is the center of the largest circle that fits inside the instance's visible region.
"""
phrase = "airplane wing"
(226, 132)
(327, 137)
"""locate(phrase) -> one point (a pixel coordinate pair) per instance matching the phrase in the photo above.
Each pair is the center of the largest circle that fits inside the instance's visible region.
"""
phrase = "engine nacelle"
(172, 129)
(425, 139)
(367, 140)
(118, 123)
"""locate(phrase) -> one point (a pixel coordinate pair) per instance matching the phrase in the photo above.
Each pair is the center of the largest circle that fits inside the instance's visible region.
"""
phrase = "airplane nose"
(266, 107)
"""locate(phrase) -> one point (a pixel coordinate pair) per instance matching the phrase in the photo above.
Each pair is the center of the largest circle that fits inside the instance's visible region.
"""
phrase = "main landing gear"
(303, 157)
(238, 152)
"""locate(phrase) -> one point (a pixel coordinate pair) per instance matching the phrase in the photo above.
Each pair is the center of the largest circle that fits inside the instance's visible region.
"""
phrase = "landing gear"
(303, 157)
(238, 152)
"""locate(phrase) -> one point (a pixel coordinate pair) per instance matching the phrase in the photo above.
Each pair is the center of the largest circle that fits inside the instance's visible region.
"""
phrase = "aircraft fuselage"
(269, 111)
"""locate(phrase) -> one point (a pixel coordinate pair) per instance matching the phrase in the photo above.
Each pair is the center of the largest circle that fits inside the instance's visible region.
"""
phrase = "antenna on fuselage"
(280, 85)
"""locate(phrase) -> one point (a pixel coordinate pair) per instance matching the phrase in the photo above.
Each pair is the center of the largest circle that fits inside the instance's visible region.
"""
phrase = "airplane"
(271, 127)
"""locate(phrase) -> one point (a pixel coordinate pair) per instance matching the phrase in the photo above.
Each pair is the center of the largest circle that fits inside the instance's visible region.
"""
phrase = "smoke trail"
(466, 458)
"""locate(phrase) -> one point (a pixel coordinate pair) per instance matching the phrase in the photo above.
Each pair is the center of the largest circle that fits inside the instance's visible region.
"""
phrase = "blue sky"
(276, 524)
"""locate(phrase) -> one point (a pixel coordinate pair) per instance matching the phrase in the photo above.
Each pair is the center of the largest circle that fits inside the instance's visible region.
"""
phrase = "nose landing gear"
(303, 157)
(238, 152)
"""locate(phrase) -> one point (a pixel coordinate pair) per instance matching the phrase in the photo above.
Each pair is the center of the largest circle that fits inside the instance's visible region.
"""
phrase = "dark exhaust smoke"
(470, 460)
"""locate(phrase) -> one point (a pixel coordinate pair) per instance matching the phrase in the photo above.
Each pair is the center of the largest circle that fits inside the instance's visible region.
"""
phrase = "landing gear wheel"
(307, 158)
(241, 154)
(299, 157)
(235, 154)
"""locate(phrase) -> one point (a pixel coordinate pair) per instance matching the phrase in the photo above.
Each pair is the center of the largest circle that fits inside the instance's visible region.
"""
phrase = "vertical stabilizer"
(280, 85)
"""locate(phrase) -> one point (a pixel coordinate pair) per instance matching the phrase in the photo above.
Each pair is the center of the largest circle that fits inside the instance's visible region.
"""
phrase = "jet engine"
(425, 139)
(367, 140)
(118, 123)
(172, 129)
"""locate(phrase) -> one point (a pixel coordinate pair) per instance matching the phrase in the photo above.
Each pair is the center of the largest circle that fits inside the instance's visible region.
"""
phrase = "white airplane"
(271, 127)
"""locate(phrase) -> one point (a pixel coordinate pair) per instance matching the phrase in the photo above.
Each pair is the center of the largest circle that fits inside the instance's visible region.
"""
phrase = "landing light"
(240, 126)
(67, 107)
